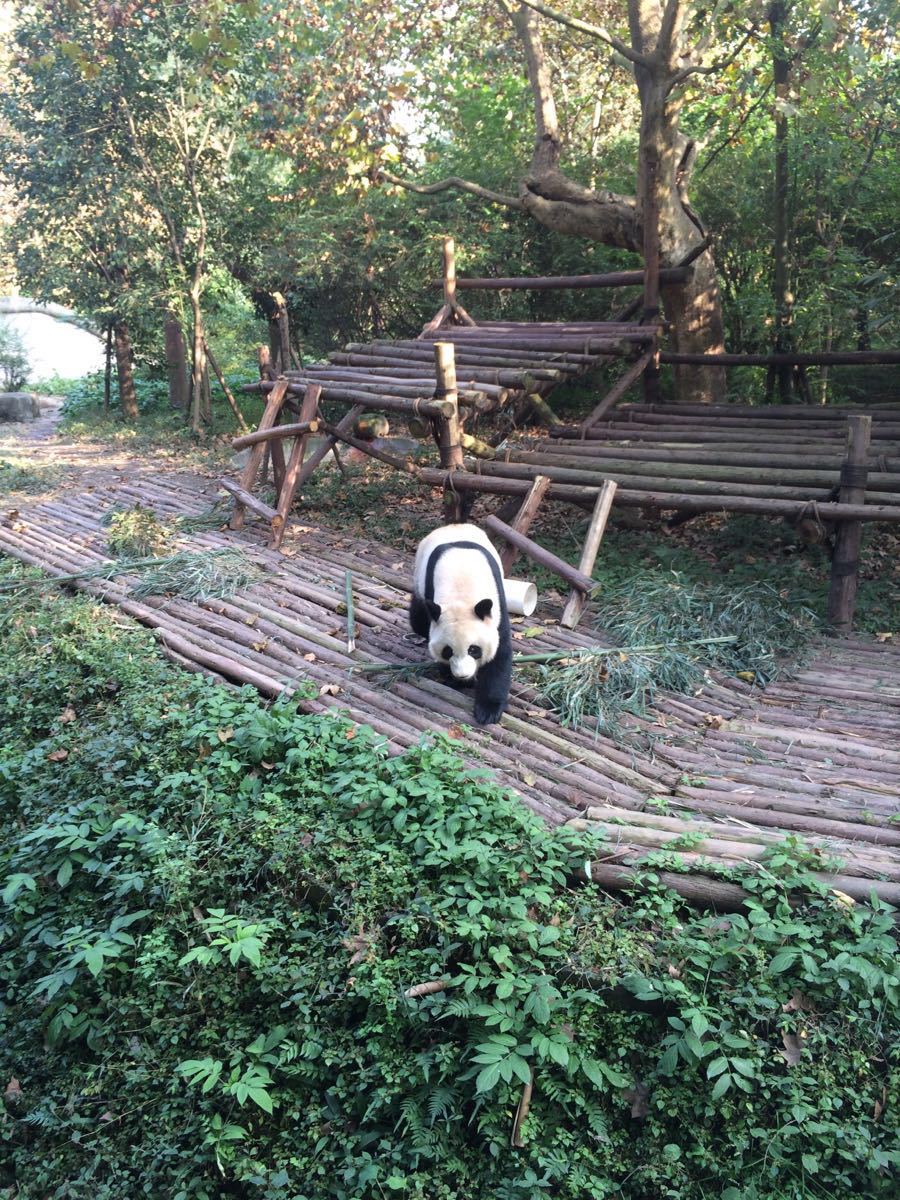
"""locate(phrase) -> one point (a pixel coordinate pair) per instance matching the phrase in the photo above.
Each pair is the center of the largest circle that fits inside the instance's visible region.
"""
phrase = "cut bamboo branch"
(351, 615)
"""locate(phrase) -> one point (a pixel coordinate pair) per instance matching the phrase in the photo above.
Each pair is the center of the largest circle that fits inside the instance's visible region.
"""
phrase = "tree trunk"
(176, 361)
(198, 373)
(665, 155)
(107, 368)
(781, 295)
(127, 395)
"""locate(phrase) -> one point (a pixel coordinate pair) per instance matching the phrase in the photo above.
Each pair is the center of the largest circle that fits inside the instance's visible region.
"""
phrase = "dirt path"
(817, 754)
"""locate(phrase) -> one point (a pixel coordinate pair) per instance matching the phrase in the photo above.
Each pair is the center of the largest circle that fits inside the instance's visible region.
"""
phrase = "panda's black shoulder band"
(434, 558)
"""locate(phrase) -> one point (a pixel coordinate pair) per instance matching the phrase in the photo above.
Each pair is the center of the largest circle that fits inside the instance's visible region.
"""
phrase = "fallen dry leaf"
(310, 657)
(251, 620)
(260, 646)
(329, 689)
(843, 898)
(713, 720)
(267, 766)
(225, 735)
(884, 637)
(359, 945)
(13, 1091)
(351, 733)
(58, 755)
(454, 731)
(67, 715)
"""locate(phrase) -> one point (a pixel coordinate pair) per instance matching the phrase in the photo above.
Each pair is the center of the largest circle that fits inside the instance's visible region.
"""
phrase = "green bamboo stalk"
(351, 613)
(555, 655)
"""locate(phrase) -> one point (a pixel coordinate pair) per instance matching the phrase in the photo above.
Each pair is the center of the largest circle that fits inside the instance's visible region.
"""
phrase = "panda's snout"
(463, 667)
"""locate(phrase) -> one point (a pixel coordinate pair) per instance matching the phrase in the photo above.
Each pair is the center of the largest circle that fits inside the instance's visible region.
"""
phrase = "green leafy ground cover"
(212, 909)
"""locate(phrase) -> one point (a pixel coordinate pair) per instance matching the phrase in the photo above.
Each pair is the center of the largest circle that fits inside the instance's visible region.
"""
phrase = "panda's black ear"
(483, 608)
(434, 610)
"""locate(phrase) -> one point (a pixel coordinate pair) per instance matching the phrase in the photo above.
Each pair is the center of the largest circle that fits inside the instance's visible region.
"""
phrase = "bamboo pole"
(351, 616)
(232, 403)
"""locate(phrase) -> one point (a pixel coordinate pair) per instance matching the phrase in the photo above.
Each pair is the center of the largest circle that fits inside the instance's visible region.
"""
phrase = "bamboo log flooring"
(814, 755)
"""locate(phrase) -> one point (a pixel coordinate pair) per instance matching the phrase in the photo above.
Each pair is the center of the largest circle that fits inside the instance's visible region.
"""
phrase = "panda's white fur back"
(479, 573)
(462, 579)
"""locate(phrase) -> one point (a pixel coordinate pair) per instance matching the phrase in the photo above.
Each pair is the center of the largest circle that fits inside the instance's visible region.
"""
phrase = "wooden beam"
(544, 283)
(248, 476)
(618, 390)
(558, 566)
(832, 358)
(308, 410)
(575, 607)
(523, 519)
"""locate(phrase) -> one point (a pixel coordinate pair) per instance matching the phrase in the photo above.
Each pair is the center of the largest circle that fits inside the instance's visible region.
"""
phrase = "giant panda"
(459, 605)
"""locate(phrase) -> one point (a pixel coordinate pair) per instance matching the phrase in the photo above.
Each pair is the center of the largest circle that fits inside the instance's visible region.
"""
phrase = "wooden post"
(521, 522)
(308, 409)
(651, 271)
(250, 471)
(845, 563)
(448, 439)
(575, 607)
(450, 273)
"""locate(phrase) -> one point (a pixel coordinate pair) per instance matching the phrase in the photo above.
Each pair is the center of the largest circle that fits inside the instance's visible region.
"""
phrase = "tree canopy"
(156, 154)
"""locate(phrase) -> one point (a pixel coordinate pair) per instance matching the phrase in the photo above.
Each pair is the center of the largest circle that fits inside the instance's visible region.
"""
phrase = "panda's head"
(463, 637)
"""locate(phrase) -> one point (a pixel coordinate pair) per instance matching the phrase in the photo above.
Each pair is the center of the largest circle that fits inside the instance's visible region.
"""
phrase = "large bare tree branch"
(595, 31)
(451, 183)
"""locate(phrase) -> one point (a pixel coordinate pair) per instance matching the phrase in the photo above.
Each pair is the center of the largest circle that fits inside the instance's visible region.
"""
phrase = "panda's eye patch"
(475, 651)
(447, 653)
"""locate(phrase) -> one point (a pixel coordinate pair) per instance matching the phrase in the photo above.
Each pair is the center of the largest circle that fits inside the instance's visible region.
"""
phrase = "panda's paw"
(488, 712)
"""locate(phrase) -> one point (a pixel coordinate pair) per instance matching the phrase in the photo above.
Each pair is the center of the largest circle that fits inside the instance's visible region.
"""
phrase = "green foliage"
(766, 628)
(214, 909)
(136, 532)
(17, 474)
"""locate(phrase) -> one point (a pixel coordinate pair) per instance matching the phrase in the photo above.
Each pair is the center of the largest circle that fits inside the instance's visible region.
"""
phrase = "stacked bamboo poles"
(832, 780)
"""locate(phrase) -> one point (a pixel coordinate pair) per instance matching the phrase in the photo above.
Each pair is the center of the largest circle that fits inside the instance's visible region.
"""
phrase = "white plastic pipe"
(521, 597)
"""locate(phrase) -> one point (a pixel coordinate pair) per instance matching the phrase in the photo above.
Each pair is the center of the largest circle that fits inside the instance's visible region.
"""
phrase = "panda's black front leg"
(492, 687)
(419, 617)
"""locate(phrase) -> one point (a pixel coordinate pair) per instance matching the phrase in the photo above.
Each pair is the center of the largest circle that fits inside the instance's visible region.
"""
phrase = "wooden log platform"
(816, 754)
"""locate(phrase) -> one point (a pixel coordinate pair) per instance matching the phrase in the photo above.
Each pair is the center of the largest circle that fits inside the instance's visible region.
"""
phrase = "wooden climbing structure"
(832, 468)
